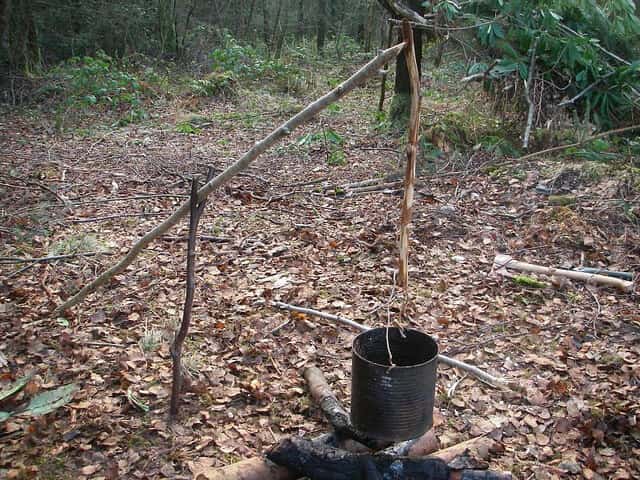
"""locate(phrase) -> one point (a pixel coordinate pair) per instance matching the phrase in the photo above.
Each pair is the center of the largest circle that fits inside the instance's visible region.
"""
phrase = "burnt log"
(322, 462)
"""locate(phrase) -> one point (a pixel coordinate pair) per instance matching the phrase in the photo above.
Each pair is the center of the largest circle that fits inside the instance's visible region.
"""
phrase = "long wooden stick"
(196, 209)
(452, 362)
(53, 258)
(306, 114)
(412, 149)
(502, 261)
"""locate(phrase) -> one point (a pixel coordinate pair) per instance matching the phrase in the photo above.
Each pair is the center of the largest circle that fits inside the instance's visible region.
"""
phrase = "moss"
(527, 281)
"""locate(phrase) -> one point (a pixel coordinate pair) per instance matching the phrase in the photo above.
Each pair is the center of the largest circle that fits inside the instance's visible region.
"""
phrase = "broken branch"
(505, 261)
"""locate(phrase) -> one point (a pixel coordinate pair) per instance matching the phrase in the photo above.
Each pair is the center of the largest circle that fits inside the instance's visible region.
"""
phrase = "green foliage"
(99, 83)
(244, 62)
(216, 83)
(332, 142)
(579, 48)
(187, 128)
(527, 281)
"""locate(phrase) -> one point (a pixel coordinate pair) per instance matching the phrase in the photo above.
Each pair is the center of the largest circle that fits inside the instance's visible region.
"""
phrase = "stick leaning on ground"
(452, 362)
(364, 73)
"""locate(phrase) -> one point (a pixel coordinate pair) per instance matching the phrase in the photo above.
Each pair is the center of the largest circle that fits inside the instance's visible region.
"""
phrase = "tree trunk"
(249, 20)
(300, 26)
(401, 103)
(266, 35)
(22, 36)
(322, 26)
(278, 32)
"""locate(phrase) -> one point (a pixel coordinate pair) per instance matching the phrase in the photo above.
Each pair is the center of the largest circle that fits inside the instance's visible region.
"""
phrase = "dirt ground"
(284, 230)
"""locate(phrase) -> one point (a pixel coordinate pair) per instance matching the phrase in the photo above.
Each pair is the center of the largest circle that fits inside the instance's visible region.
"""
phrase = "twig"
(529, 95)
(576, 144)
(303, 184)
(105, 344)
(585, 91)
(452, 362)
(44, 187)
(122, 199)
(595, 317)
(383, 79)
(114, 217)
(356, 80)
(13, 260)
(207, 238)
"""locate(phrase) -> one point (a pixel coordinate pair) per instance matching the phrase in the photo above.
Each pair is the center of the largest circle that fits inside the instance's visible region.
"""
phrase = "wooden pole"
(196, 209)
(410, 171)
(357, 79)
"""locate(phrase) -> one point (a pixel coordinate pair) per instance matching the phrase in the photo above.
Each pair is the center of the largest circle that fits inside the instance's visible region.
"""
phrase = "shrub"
(580, 48)
(99, 83)
(245, 63)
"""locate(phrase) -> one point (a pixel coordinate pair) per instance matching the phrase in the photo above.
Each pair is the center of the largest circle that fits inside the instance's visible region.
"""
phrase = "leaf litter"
(574, 349)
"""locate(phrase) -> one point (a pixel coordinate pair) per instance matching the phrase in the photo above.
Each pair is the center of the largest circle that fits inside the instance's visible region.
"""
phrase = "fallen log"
(256, 468)
(505, 261)
(259, 468)
(328, 463)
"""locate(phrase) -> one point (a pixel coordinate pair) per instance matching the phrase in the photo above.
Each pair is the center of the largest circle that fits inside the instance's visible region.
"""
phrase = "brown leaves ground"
(574, 349)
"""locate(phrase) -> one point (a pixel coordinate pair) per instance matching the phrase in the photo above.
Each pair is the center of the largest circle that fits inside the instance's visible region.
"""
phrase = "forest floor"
(574, 348)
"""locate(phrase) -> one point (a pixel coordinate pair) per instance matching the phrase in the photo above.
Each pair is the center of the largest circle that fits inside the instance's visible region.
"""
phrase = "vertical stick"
(383, 80)
(412, 149)
(195, 211)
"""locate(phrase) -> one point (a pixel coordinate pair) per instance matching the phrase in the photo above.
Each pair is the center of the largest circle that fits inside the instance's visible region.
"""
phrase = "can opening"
(408, 348)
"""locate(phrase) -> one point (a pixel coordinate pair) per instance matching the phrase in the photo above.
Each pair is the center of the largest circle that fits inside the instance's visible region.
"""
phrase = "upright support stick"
(383, 80)
(412, 149)
(196, 209)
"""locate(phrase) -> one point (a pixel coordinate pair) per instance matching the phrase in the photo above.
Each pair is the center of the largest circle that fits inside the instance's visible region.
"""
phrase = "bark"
(256, 468)
(321, 462)
(196, 209)
(412, 149)
(327, 463)
(480, 448)
(306, 114)
(401, 105)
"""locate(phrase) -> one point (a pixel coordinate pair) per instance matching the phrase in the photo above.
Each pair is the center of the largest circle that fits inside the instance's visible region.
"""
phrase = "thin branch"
(306, 114)
(585, 91)
(528, 88)
(13, 260)
(118, 216)
(410, 172)
(196, 209)
(578, 144)
(452, 362)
